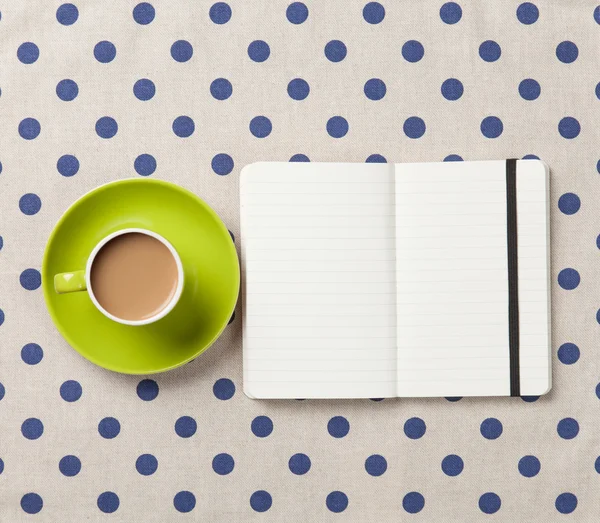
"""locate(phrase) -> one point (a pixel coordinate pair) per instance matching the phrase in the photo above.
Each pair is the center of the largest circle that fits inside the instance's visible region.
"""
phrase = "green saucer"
(210, 263)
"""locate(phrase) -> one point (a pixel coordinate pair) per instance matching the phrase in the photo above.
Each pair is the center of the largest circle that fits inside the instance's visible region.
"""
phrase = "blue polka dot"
(337, 126)
(105, 51)
(262, 426)
(453, 399)
(531, 157)
(413, 51)
(296, 12)
(375, 465)
(569, 203)
(529, 466)
(109, 428)
(143, 13)
(335, 51)
(298, 89)
(223, 464)
(336, 501)
(414, 428)
(32, 353)
(1, 466)
(32, 503)
(598, 390)
(183, 126)
(29, 128)
(30, 279)
(144, 89)
(567, 52)
(598, 241)
(146, 464)
(67, 90)
(568, 353)
(184, 501)
(299, 464)
(220, 13)
(261, 501)
(106, 127)
(597, 90)
(414, 127)
(2, 389)
(67, 14)
(598, 316)
(221, 89)
(597, 464)
(530, 399)
(1, 242)
(182, 51)
(222, 164)
(566, 503)
(69, 466)
(147, 390)
(338, 426)
(567, 428)
(413, 502)
(529, 89)
(568, 279)
(490, 51)
(491, 428)
(224, 389)
(489, 503)
(260, 126)
(491, 127)
(452, 89)
(70, 390)
(453, 158)
(185, 427)
(375, 89)
(32, 428)
(450, 13)
(527, 13)
(108, 502)
(1, 322)
(0, 167)
(145, 164)
(28, 52)
(569, 127)
(259, 51)
(374, 13)
(597, 14)
(376, 158)
(67, 165)
(30, 204)
(452, 465)
(299, 158)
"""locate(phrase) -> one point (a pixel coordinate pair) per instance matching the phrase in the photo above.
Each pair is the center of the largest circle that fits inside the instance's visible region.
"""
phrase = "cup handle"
(70, 282)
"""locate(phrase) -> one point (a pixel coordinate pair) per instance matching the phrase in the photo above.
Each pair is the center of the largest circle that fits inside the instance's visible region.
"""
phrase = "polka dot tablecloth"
(190, 91)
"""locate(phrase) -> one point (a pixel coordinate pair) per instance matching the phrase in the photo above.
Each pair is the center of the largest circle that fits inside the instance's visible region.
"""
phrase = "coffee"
(134, 276)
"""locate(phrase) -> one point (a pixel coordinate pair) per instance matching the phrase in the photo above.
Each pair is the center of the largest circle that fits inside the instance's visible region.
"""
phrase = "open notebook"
(380, 280)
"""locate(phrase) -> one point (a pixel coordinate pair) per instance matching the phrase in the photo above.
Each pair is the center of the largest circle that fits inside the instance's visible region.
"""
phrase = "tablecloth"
(190, 91)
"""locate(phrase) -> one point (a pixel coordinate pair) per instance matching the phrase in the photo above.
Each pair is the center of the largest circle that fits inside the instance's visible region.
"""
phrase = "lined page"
(319, 291)
(452, 283)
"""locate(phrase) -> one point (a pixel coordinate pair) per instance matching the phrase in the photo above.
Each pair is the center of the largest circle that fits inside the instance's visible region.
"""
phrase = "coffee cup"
(133, 276)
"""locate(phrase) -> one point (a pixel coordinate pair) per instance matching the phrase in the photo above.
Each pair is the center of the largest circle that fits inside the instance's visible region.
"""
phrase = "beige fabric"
(413, 89)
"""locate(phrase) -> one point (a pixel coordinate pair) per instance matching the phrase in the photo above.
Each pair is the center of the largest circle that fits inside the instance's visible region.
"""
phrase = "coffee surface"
(134, 276)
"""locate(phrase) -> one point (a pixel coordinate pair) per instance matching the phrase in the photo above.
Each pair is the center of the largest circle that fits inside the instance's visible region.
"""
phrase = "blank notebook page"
(318, 248)
(452, 285)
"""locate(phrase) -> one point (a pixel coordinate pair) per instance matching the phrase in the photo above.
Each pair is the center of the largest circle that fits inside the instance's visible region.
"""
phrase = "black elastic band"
(513, 275)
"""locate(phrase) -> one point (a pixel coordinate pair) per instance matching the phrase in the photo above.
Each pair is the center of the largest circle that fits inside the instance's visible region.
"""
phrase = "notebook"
(395, 280)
